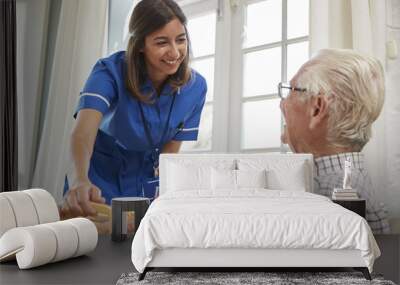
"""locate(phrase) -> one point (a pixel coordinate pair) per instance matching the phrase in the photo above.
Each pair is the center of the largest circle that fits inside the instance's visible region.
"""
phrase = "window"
(243, 48)
(202, 29)
(273, 40)
(119, 12)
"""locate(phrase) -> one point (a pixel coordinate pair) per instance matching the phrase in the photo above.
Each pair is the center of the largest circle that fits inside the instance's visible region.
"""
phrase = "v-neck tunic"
(121, 163)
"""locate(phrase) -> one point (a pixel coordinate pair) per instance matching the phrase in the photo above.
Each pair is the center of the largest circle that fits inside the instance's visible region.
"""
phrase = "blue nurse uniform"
(122, 160)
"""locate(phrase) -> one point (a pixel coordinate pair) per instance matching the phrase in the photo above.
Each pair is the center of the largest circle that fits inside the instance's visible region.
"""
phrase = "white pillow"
(289, 177)
(282, 174)
(251, 178)
(183, 177)
(223, 179)
(236, 179)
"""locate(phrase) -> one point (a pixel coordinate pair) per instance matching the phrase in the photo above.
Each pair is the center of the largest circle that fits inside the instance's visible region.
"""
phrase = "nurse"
(134, 106)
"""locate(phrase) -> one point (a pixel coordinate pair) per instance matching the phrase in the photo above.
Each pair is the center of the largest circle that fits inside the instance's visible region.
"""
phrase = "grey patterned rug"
(243, 278)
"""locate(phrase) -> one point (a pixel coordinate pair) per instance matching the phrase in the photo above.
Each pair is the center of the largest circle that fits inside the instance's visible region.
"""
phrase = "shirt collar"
(334, 163)
(147, 87)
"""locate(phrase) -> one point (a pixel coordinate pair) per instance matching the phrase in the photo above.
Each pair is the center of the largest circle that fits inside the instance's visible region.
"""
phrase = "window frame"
(237, 54)
(220, 112)
(228, 100)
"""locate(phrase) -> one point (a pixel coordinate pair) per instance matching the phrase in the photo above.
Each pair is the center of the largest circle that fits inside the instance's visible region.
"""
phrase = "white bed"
(247, 210)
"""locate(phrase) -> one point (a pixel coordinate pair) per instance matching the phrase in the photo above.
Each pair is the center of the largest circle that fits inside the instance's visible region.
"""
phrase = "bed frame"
(246, 259)
(261, 259)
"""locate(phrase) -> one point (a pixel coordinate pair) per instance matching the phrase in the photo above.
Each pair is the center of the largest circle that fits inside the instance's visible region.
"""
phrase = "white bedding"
(251, 218)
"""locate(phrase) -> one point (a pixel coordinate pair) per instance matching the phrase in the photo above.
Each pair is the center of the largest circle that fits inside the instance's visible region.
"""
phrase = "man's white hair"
(356, 84)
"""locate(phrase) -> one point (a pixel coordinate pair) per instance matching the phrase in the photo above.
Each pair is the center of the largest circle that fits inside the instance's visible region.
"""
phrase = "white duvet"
(251, 218)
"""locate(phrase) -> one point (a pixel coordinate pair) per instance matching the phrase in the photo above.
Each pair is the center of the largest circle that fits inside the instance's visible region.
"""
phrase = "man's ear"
(319, 110)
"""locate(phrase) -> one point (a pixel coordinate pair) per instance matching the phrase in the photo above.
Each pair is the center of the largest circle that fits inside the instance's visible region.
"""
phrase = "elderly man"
(329, 107)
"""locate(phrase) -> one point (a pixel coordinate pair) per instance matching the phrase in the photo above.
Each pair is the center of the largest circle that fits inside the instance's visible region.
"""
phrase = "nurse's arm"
(172, 147)
(82, 141)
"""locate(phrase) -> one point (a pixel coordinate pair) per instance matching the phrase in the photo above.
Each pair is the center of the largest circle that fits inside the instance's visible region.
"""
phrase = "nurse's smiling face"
(164, 50)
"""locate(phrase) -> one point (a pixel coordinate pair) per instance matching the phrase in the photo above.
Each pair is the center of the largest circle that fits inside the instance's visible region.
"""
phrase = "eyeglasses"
(284, 90)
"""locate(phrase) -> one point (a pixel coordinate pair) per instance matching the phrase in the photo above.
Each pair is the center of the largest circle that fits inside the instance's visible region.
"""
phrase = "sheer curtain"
(80, 42)
(361, 25)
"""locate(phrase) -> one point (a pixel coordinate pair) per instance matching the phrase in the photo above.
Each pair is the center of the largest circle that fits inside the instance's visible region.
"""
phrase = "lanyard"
(156, 148)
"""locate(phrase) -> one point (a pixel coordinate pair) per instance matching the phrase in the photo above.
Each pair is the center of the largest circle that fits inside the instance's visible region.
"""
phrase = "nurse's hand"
(77, 200)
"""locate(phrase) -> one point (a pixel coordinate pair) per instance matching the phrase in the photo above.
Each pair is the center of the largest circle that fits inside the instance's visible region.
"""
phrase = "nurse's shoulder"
(114, 64)
(110, 68)
(104, 83)
(196, 85)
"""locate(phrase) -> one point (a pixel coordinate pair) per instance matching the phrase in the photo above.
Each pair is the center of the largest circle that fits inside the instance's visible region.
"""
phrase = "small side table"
(120, 207)
(357, 205)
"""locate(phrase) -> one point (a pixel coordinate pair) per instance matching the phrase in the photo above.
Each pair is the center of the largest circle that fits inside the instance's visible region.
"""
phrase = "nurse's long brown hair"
(148, 16)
